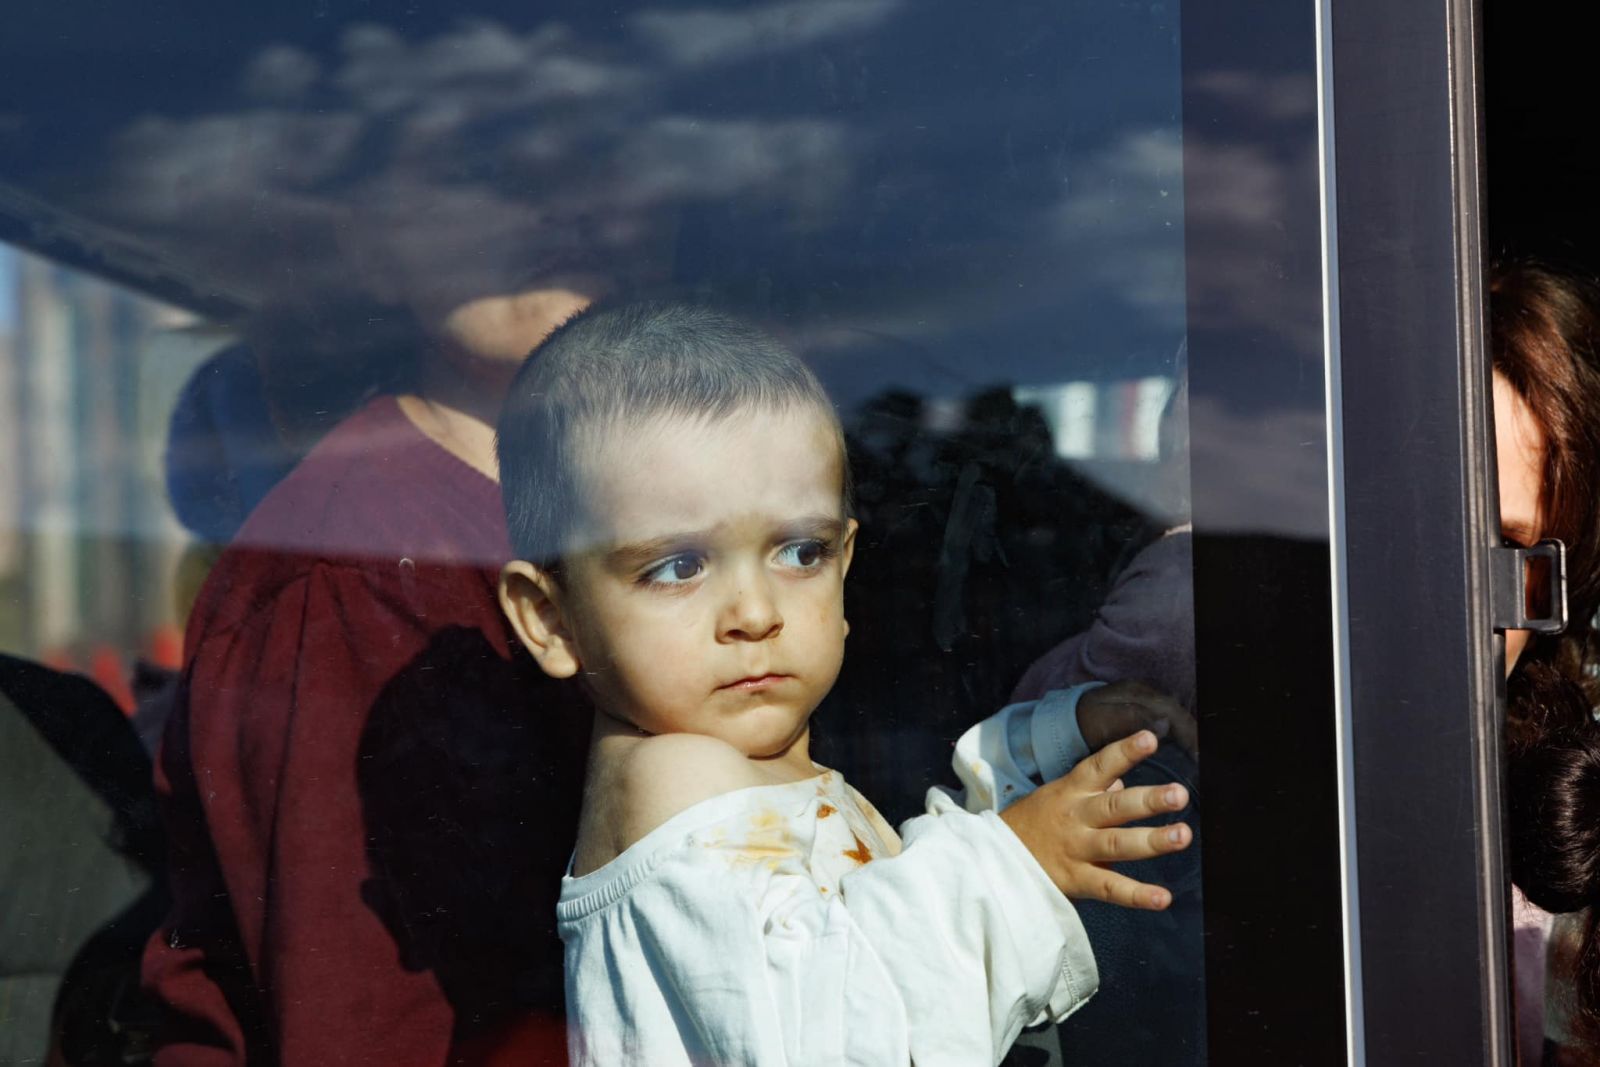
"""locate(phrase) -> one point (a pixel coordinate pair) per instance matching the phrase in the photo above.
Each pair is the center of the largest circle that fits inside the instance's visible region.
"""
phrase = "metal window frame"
(1416, 518)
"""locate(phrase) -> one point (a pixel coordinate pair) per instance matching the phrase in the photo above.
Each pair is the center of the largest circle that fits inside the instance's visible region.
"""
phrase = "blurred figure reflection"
(974, 528)
(1152, 1004)
(1144, 630)
(351, 777)
(81, 863)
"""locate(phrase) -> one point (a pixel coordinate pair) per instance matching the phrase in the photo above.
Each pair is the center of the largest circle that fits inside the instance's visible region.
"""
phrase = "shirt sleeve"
(1005, 757)
(938, 956)
(272, 936)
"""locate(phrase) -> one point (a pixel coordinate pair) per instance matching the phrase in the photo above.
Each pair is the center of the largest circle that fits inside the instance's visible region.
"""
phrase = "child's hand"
(1108, 712)
(1072, 826)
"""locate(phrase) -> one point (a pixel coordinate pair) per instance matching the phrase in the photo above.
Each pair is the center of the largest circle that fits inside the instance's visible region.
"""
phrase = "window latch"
(1528, 587)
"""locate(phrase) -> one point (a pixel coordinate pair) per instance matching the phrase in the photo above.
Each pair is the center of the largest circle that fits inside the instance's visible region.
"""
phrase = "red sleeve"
(272, 931)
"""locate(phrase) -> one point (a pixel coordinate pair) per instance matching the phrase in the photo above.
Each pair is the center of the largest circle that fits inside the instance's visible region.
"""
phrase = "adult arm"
(1144, 631)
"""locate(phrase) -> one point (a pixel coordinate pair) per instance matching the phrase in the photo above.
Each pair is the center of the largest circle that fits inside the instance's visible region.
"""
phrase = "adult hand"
(1108, 712)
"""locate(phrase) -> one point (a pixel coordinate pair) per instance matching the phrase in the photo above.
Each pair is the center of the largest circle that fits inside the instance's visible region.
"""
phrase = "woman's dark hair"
(1544, 329)
(322, 358)
(1554, 795)
(1544, 335)
(1553, 804)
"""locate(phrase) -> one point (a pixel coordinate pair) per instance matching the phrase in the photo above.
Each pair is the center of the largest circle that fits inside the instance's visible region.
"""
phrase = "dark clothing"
(367, 821)
(1152, 964)
(1143, 632)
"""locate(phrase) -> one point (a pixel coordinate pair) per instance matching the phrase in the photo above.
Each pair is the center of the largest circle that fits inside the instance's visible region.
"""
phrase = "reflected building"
(89, 373)
(10, 445)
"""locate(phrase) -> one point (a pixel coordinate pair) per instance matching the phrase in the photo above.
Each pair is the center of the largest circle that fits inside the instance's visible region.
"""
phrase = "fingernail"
(1157, 898)
(1146, 741)
(1173, 796)
(1175, 835)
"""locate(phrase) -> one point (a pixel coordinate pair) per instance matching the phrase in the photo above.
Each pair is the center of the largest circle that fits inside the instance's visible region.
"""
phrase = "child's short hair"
(621, 365)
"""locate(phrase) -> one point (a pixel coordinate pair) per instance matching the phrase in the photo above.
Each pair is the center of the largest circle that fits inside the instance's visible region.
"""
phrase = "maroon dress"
(370, 791)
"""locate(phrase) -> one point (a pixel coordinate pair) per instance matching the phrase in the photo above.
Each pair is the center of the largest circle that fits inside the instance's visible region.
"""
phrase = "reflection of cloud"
(680, 158)
(1280, 98)
(708, 35)
(1285, 451)
(1126, 204)
(189, 164)
(481, 68)
(535, 132)
(1102, 266)
(1255, 210)
(799, 149)
(281, 73)
(1247, 217)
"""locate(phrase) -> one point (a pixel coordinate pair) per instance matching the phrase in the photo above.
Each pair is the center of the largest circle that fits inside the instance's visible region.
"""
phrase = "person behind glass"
(1545, 345)
(678, 495)
(342, 778)
(1142, 635)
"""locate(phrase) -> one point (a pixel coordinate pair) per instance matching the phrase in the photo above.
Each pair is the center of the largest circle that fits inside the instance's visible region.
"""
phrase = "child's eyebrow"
(824, 527)
(639, 553)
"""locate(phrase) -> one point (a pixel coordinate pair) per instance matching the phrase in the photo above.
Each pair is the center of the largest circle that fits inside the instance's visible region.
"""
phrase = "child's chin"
(774, 745)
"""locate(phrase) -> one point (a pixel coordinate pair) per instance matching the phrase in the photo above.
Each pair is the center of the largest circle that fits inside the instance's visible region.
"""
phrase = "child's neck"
(613, 737)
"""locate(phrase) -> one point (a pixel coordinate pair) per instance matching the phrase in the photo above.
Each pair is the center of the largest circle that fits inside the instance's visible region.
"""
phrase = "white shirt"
(777, 925)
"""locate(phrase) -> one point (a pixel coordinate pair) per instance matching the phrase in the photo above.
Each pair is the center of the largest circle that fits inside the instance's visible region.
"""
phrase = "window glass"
(269, 276)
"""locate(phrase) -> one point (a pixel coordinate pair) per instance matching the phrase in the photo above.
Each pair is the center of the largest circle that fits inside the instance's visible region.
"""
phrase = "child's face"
(706, 594)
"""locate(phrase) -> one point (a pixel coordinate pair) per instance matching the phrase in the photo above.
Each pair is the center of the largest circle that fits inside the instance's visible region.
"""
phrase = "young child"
(677, 488)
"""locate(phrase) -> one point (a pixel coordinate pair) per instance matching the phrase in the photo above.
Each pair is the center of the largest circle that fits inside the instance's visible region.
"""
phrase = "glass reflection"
(972, 227)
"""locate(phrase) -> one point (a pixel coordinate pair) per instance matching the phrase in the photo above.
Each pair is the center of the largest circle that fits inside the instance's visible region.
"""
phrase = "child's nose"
(752, 612)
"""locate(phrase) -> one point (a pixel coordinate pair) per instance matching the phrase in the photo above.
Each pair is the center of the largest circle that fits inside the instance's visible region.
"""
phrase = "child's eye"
(805, 554)
(675, 571)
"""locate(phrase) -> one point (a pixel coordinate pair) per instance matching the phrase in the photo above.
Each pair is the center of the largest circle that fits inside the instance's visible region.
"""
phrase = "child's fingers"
(1119, 806)
(1118, 846)
(1112, 762)
(1114, 888)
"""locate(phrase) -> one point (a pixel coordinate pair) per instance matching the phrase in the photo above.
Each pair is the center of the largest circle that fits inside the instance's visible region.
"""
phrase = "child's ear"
(531, 600)
(847, 552)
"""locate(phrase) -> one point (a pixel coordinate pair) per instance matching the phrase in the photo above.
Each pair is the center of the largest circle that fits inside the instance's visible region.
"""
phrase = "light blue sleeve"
(1006, 756)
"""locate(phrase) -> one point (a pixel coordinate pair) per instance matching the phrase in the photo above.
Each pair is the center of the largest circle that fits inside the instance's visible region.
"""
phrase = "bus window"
(270, 277)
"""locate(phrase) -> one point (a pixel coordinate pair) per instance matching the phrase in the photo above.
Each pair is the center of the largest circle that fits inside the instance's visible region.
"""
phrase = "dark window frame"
(1425, 690)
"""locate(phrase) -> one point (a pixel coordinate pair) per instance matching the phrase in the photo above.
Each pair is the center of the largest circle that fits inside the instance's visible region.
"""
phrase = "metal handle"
(1509, 587)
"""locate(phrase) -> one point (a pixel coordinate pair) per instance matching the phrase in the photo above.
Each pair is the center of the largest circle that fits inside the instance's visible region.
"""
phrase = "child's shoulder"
(666, 774)
(655, 779)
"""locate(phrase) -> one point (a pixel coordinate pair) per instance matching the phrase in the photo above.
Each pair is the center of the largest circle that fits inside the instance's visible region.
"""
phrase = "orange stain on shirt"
(861, 853)
(825, 810)
(767, 843)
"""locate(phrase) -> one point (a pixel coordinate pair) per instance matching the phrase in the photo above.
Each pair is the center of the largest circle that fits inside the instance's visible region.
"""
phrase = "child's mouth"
(756, 682)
